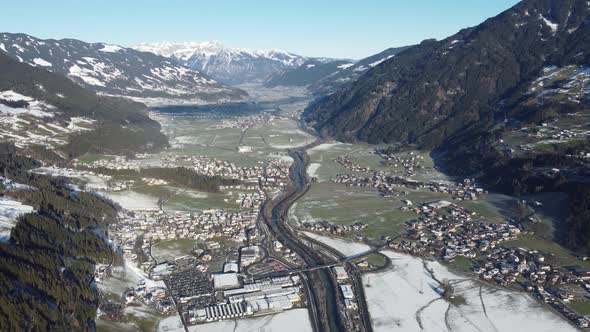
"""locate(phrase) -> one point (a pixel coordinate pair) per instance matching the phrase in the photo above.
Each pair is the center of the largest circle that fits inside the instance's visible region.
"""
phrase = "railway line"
(321, 288)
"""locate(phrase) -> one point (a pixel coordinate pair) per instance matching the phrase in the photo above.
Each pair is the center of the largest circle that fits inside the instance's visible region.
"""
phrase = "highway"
(340, 261)
(321, 287)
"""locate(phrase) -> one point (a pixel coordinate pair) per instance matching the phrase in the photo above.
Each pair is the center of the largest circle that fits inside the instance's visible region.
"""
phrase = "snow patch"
(35, 107)
(345, 65)
(10, 210)
(312, 169)
(131, 200)
(549, 23)
(110, 48)
(346, 247)
(41, 62)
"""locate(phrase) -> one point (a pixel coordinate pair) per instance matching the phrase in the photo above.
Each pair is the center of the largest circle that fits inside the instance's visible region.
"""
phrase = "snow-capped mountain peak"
(230, 65)
(181, 50)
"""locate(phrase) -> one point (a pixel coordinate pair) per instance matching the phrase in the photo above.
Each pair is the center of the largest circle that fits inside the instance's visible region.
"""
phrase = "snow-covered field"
(312, 170)
(34, 107)
(171, 324)
(9, 211)
(93, 181)
(281, 157)
(406, 299)
(295, 320)
(346, 247)
(132, 200)
(325, 147)
(292, 145)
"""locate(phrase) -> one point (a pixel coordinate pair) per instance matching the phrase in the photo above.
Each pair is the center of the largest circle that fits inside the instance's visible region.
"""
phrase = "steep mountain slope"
(41, 108)
(117, 71)
(348, 74)
(437, 89)
(325, 76)
(310, 72)
(228, 65)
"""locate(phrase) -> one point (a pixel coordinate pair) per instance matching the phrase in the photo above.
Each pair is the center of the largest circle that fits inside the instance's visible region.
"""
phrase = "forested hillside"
(48, 262)
(434, 90)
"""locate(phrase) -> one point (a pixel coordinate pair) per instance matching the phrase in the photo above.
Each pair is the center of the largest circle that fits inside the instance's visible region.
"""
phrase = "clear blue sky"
(332, 28)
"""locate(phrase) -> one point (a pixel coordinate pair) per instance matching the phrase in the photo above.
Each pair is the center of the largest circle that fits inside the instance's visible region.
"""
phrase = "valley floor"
(346, 198)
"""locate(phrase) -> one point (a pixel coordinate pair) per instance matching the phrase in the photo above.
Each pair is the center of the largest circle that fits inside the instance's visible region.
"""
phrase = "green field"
(169, 250)
(193, 136)
(581, 307)
(91, 157)
(346, 205)
(462, 264)
(377, 260)
(323, 157)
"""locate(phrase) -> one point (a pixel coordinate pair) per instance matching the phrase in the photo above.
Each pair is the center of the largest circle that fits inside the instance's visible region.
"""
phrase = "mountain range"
(310, 72)
(324, 77)
(44, 110)
(119, 71)
(228, 65)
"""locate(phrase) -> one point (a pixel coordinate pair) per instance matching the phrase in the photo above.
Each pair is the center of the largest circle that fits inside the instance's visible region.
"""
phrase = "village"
(448, 232)
(187, 284)
(246, 121)
(388, 182)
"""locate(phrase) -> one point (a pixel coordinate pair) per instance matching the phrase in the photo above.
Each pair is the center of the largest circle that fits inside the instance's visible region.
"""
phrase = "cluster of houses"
(273, 174)
(345, 286)
(243, 122)
(447, 230)
(121, 185)
(155, 225)
(213, 167)
(276, 174)
(329, 227)
(410, 163)
(389, 185)
(546, 131)
(347, 162)
(555, 285)
(155, 296)
(251, 200)
(151, 226)
(288, 255)
(348, 306)
(113, 162)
